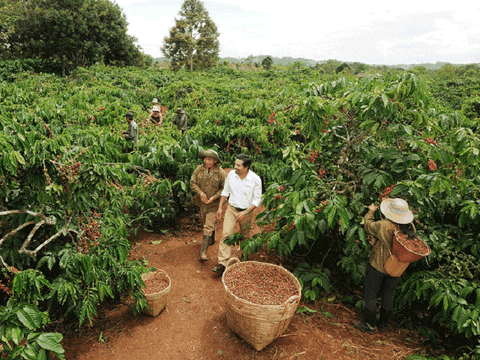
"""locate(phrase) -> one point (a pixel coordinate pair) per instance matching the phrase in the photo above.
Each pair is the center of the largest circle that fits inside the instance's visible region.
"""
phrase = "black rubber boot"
(203, 251)
(383, 320)
(364, 326)
(368, 324)
(219, 269)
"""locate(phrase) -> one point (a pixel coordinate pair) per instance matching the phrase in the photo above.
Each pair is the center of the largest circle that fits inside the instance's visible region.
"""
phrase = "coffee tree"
(375, 137)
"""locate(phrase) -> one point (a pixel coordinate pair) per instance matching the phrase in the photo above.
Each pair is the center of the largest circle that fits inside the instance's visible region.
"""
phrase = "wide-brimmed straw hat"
(155, 100)
(396, 210)
(180, 111)
(155, 108)
(210, 154)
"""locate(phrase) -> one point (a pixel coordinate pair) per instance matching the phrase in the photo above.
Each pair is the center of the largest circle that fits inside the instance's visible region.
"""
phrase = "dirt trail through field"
(193, 324)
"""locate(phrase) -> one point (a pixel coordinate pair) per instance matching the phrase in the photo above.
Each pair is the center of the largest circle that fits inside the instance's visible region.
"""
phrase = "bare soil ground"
(193, 324)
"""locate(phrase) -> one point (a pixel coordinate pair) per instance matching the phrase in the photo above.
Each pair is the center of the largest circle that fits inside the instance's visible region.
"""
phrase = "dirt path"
(193, 324)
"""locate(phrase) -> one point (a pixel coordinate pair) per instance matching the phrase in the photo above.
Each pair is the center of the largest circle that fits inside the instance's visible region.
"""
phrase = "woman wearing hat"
(154, 103)
(397, 217)
(155, 116)
(207, 182)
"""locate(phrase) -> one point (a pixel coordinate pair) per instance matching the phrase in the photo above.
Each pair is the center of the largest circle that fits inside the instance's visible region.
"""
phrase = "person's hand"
(242, 216)
(373, 207)
(219, 214)
(203, 197)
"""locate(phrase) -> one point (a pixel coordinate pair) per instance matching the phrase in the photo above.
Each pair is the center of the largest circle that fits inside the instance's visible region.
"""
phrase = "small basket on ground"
(157, 301)
(259, 325)
(408, 254)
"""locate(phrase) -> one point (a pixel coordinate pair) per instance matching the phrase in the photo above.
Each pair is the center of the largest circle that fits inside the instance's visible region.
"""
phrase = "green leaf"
(17, 351)
(369, 178)
(351, 231)
(385, 100)
(380, 182)
(30, 354)
(30, 317)
(344, 219)
(304, 309)
(51, 342)
(300, 237)
(445, 303)
(331, 216)
(15, 334)
(460, 135)
(19, 158)
(413, 157)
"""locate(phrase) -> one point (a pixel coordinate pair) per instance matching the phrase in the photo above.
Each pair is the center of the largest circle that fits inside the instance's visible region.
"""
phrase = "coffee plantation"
(72, 190)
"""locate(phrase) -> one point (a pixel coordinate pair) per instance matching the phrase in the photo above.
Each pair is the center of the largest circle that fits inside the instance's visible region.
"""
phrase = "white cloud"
(372, 31)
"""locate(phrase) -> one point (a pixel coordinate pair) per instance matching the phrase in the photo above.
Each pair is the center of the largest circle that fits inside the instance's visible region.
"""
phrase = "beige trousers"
(209, 221)
(229, 224)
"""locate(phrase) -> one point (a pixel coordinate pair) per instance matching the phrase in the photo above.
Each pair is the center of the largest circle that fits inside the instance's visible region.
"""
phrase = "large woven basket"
(259, 325)
(405, 255)
(157, 301)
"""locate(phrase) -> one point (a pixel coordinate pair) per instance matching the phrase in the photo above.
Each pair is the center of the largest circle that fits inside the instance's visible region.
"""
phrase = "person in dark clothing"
(298, 135)
(131, 135)
(180, 120)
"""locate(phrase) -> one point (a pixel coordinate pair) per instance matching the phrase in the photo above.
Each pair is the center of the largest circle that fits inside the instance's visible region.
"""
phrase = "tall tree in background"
(193, 41)
(68, 32)
(267, 62)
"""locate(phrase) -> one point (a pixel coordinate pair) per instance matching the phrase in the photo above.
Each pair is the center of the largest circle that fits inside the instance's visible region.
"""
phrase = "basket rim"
(160, 271)
(413, 252)
(295, 280)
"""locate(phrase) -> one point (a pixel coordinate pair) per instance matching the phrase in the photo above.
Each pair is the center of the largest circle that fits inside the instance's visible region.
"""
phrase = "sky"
(369, 31)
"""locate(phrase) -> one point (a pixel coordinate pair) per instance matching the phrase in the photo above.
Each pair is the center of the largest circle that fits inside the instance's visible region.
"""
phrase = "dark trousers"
(376, 281)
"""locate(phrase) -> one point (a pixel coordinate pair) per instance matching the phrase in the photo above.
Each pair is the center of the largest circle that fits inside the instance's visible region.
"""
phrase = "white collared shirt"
(243, 193)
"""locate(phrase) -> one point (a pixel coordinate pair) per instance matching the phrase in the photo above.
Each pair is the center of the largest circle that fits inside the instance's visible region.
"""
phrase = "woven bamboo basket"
(163, 109)
(157, 301)
(405, 255)
(259, 325)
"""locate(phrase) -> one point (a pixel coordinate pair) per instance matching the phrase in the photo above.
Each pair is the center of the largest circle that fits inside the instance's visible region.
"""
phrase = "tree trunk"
(191, 50)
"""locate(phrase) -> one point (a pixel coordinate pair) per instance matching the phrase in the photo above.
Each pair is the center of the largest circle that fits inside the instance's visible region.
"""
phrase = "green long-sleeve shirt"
(132, 133)
(210, 183)
(180, 121)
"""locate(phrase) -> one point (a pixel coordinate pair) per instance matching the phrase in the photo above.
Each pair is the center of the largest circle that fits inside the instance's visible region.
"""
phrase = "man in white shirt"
(243, 188)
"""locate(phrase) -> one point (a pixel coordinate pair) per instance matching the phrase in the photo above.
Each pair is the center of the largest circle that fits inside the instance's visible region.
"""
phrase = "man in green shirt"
(132, 131)
(207, 182)
(180, 120)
